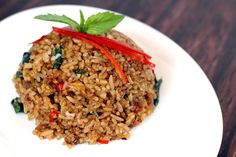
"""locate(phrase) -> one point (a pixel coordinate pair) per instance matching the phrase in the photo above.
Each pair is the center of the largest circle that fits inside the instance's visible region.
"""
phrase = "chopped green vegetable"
(80, 71)
(56, 65)
(19, 74)
(102, 22)
(157, 84)
(26, 57)
(95, 24)
(58, 58)
(157, 88)
(57, 18)
(17, 105)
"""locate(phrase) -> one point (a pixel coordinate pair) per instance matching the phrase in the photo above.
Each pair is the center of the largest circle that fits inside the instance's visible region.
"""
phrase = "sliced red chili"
(136, 57)
(60, 86)
(109, 43)
(52, 116)
(38, 40)
(116, 45)
(101, 141)
(113, 61)
(137, 108)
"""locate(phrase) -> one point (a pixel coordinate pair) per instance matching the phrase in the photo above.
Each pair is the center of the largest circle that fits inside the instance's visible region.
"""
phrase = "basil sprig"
(94, 25)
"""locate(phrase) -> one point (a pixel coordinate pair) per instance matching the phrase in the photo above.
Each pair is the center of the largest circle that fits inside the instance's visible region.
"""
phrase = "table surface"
(206, 29)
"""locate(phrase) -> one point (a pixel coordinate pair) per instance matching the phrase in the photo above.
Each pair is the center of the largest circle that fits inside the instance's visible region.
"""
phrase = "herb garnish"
(26, 57)
(58, 58)
(157, 88)
(95, 24)
(80, 71)
(89, 31)
(17, 105)
(19, 74)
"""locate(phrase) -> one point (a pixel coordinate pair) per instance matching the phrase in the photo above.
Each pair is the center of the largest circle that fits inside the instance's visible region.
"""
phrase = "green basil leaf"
(19, 74)
(58, 18)
(17, 105)
(102, 22)
(80, 71)
(58, 59)
(82, 21)
(157, 88)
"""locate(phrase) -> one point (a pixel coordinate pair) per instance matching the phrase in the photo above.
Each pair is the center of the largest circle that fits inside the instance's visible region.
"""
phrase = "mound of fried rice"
(92, 106)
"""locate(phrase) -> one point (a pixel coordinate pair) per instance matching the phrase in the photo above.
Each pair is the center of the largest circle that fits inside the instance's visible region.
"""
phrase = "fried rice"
(89, 107)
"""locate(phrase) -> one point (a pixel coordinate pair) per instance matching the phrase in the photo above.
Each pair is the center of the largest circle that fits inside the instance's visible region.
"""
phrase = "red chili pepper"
(99, 39)
(116, 45)
(113, 61)
(109, 43)
(136, 57)
(137, 108)
(103, 141)
(52, 116)
(60, 86)
(38, 40)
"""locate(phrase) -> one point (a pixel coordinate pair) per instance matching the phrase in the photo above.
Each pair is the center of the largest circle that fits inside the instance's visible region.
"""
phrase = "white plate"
(187, 122)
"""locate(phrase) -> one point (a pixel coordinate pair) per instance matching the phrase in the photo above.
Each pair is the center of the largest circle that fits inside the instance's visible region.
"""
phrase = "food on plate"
(86, 83)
